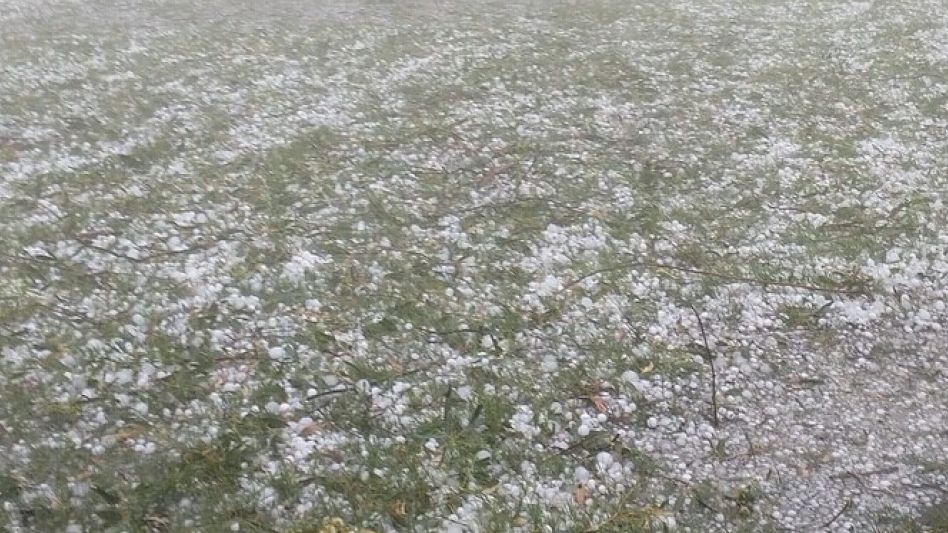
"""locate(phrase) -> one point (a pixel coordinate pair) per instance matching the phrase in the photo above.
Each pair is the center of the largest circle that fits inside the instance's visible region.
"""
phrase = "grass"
(497, 212)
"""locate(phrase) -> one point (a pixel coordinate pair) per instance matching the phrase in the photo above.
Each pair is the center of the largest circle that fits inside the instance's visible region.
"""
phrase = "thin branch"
(728, 278)
(757, 281)
(330, 392)
(694, 491)
(709, 357)
(838, 514)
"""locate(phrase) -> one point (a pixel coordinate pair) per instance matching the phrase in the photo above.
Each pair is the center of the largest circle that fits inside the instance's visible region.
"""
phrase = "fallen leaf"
(599, 404)
(581, 494)
(311, 429)
(399, 511)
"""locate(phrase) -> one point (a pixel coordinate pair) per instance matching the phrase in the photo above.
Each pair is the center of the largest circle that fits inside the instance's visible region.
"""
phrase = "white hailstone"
(705, 431)
(277, 353)
(522, 422)
(145, 374)
(652, 422)
(235, 526)
(79, 489)
(604, 459)
(512, 490)
(123, 376)
(583, 430)
(549, 364)
(452, 527)
(141, 408)
(482, 455)
(549, 286)
(581, 474)
(313, 305)
(465, 393)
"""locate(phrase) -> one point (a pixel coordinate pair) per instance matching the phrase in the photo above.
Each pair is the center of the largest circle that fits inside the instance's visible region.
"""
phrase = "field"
(590, 265)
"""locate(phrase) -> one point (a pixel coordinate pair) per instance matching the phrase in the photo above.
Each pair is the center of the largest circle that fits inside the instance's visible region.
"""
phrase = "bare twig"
(330, 392)
(726, 278)
(709, 357)
(757, 281)
(838, 514)
(694, 491)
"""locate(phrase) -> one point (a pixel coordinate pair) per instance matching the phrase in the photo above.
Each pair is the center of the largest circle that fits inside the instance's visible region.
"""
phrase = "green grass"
(440, 166)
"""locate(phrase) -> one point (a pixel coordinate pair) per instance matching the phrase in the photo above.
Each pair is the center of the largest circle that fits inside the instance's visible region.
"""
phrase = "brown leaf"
(311, 429)
(399, 511)
(599, 404)
(581, 494)
(129, 432)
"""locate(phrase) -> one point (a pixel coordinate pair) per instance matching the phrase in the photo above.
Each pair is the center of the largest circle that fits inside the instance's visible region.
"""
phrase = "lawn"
(589, 265)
